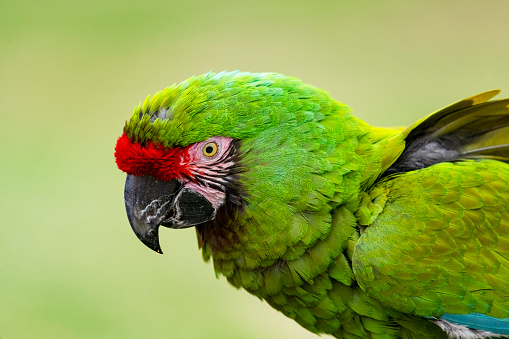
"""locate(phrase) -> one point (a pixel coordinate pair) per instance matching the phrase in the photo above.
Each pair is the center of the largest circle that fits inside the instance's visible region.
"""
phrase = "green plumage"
(351, 230)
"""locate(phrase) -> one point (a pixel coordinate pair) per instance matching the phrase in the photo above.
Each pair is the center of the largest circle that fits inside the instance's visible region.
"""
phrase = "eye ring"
(209, 149)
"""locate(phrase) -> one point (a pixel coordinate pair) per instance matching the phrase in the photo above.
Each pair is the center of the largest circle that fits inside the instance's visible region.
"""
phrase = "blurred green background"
(72, 71)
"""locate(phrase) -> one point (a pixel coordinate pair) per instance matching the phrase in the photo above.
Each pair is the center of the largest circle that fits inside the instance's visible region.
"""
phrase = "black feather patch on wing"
(469, 129)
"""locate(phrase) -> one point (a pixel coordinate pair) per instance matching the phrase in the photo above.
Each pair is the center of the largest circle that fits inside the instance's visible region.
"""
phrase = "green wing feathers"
(436, 236)
(432, 120)
(441, 243)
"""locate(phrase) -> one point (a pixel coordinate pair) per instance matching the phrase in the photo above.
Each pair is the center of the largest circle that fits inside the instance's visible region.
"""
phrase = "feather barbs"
(158, 161)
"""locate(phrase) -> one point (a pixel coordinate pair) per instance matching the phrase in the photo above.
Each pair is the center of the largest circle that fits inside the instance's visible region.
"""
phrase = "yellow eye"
(209, 149)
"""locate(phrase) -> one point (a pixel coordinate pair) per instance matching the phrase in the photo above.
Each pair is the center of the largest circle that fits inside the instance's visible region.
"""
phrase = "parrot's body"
(351, 230)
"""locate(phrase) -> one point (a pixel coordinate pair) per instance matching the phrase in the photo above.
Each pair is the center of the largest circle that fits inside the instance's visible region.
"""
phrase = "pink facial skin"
(204, 166)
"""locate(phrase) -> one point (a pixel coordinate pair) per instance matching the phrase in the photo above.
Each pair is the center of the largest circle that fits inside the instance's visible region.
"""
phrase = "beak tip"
(151, 241)
(157, 250)
(153, 246)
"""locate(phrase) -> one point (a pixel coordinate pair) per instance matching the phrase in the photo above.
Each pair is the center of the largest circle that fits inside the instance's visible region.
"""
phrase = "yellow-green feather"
(441, 243)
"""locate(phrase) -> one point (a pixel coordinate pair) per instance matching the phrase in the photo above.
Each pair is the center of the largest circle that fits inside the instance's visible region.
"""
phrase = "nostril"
(169, 214)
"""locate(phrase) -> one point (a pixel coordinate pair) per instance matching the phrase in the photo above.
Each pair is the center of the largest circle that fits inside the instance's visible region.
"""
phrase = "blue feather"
(479, 321)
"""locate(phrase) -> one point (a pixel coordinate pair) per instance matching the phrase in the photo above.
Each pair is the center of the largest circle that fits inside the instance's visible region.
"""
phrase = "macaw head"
(247, 158)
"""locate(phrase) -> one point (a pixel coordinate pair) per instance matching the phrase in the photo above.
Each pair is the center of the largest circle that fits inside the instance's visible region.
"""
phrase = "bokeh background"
(71, 73)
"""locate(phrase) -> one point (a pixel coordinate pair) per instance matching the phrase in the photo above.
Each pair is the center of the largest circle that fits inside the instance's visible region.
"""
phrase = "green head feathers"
(297, 158)
(233, 104)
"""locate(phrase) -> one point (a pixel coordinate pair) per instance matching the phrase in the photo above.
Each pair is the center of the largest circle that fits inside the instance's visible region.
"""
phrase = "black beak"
(150, 202)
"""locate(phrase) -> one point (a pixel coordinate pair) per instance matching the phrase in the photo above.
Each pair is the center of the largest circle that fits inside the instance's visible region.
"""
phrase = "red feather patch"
(159, 162)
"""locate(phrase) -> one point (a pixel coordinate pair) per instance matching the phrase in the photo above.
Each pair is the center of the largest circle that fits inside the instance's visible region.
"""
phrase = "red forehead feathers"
(159, 162)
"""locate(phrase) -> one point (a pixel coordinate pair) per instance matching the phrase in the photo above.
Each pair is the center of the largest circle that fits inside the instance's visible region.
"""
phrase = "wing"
(436, 242)
(473, 128)
(440, 244)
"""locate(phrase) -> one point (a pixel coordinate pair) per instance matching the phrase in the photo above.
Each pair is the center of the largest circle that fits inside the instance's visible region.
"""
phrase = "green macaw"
(351, 230)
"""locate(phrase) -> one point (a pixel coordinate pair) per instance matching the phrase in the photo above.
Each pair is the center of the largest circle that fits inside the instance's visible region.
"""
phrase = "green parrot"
(350, 230)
